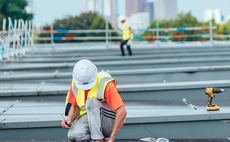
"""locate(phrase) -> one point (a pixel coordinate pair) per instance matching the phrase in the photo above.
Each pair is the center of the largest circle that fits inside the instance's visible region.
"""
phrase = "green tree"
(85, 21)
(226, 28)
(15, 9)
(220, 30)
(185, 20)
(100, 23)
(81, 22)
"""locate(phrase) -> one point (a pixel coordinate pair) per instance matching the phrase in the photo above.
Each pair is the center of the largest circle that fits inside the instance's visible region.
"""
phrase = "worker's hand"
(66, 123)
(111, 139)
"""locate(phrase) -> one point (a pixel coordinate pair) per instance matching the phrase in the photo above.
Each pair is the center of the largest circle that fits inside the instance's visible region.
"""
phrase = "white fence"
(18, 40)
(154, 38)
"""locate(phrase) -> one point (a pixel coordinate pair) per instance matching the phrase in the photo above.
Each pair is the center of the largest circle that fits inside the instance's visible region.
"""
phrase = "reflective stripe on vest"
(79, 97)
(102, 87)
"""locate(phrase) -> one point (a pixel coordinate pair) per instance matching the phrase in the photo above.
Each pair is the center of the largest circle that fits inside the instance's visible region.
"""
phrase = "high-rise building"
(213, 13)
(139, 20)
(120, 7)
(111, 9)
(105, 8)
(208, 14)
(149, 7)
(95, 6)
(226, 18)
(139, 6)
(139, 13)
(114, 14)
(165, 9)
(134, 6)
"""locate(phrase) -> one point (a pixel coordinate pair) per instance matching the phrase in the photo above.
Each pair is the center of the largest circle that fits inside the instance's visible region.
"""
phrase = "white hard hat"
(104, 73)
(84, 74)
(121, 18)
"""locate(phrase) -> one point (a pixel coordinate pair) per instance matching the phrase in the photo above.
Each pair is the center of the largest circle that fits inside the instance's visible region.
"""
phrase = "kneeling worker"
(94, 102)
(126, 35)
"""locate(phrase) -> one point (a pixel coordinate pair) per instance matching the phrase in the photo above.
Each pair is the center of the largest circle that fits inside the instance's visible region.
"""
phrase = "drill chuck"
(218, 90)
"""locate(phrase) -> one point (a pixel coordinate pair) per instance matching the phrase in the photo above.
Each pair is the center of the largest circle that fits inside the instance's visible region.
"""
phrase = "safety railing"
(17, 40)
(156, 38)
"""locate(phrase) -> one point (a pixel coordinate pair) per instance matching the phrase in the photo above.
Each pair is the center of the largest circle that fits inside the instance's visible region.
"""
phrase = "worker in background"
(94, 102)
(126, 35)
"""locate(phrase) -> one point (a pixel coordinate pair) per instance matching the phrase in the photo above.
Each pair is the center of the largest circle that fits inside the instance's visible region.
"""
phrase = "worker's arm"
(130, 34)
(119, 29)
(73, 113)
(119, 122)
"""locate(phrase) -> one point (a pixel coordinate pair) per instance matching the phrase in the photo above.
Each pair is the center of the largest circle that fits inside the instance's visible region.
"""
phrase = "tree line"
(187, 20)
(85, 21)
(15, 9)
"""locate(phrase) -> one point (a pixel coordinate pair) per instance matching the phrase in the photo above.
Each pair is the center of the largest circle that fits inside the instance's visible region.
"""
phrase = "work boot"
(100, 140)
(129, 50)
(122, 50)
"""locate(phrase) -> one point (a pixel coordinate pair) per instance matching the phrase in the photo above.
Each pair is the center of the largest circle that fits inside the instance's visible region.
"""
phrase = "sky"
(197, 7)
(45, 11)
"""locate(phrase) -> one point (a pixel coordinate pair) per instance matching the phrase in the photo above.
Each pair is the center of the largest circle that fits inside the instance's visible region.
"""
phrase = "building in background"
(149, 7)
(139, 20)
(109, 12)
(165, 9)
(111, 9)
(94, 6)
(226, 18)
(215, 14)
(137, 6)
(114, 14)
(121, 7)
(139, 13)
(105, 8)
(134, 6)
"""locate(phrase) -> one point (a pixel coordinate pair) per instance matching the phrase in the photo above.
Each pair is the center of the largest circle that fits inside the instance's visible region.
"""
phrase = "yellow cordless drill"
(211, 92)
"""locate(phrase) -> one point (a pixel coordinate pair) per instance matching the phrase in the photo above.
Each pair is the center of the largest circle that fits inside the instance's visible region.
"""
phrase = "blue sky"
(47, 10)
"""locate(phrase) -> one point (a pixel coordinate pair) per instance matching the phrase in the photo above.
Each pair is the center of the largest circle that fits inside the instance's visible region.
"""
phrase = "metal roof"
(35, 115)
(11, 89)
(153, 106)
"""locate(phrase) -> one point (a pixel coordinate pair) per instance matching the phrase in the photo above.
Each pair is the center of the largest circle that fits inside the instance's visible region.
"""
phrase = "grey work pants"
(97, 124)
